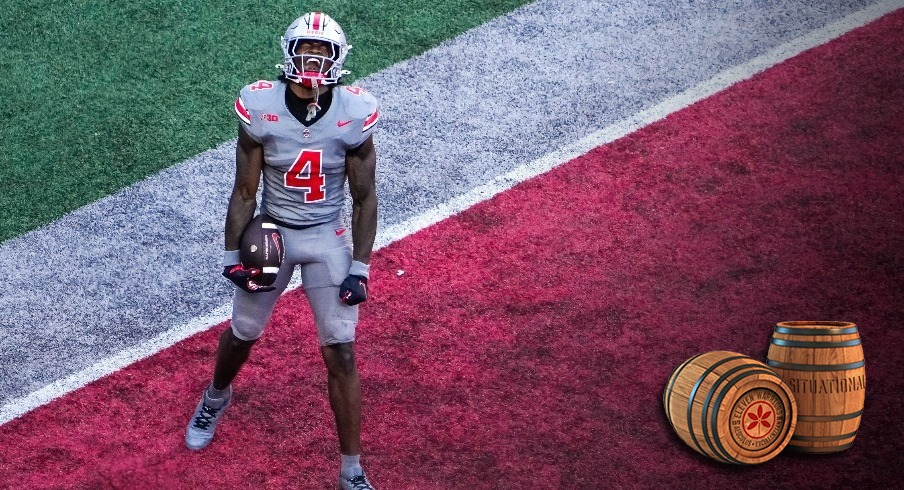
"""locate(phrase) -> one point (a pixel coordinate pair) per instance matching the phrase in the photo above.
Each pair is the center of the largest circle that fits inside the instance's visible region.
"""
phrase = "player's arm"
(361, 167)
(249, 161)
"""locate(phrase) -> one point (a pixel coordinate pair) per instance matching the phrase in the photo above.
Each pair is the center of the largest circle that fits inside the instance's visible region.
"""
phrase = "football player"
(306, 135)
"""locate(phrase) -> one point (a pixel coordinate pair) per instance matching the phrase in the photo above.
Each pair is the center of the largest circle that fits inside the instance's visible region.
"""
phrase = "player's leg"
(250, 314)
(336, 324)
(345, 399)
(344, 388)
(336, 333)
(232, 353)
(336, 329)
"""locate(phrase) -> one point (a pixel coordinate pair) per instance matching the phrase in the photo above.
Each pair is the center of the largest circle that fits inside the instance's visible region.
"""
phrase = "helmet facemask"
(298, 66)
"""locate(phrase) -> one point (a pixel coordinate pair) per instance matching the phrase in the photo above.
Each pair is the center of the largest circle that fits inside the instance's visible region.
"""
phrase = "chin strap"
(313, 107)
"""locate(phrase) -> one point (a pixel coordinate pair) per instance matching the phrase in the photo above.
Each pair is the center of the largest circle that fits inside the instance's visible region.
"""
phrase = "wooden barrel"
(730, 407)
(822, 363)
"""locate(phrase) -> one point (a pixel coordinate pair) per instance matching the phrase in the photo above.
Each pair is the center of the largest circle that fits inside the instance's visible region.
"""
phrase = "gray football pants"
(324, 254)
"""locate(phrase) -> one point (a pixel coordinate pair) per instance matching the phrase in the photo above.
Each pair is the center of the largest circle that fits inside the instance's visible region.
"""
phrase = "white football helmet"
(314, 26)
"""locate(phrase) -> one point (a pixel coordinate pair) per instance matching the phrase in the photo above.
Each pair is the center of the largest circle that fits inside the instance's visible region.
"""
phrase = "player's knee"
(337, 330)
(244, 333)
(340, 359)
(250, 314)
(230, 342)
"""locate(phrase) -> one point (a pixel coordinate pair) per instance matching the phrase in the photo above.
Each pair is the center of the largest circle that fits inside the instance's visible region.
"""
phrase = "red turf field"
(527, 343)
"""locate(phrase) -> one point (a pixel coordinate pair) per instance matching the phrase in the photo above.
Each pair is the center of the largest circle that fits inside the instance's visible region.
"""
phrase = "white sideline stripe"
(21, 405)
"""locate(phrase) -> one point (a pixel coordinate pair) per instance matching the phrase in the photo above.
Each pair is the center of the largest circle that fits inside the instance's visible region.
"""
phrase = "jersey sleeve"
(365, 111)
(246, 109)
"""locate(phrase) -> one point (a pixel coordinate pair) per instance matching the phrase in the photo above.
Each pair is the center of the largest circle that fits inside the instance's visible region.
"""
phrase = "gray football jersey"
(304, 167)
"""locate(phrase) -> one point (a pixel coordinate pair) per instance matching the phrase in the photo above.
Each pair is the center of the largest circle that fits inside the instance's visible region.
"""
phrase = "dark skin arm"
(249, 162)
(361, 168)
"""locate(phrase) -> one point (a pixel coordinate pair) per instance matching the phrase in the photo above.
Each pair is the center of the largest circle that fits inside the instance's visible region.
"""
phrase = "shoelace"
(205, 417)
(360, 483)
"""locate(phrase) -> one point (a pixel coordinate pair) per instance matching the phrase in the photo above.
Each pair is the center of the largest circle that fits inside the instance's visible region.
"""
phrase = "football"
(262, 248)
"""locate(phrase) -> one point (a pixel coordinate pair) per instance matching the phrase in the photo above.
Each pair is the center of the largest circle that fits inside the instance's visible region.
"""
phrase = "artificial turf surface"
(100, 95)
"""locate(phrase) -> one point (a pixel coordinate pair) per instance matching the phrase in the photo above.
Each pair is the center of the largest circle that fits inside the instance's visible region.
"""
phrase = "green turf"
(102, 94)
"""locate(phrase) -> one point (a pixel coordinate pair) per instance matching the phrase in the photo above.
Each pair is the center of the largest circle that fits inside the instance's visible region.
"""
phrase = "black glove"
(241, 277)
(353, 290)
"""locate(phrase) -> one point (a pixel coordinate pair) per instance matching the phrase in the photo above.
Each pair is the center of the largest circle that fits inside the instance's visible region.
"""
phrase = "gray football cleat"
(359, 482)
(204, 422)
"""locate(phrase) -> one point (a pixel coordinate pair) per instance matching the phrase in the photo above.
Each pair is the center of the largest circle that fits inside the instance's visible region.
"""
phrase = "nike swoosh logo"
(343, 123)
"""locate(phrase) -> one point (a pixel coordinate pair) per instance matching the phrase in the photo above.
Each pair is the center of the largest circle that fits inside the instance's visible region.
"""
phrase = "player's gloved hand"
(353, 290)
(243, 278)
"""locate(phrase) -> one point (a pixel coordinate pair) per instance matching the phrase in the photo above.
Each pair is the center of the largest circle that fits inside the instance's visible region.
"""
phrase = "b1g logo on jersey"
(269, 117)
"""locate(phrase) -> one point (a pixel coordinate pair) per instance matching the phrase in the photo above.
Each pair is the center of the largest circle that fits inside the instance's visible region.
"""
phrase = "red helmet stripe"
(316, 21)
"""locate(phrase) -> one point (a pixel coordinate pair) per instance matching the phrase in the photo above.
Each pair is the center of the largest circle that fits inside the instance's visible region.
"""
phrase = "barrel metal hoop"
(815, 331)
(690, 400)
(818, 345)
(810, 449)
(715, 416)
(824, 438)
(829, 418)
(816, 367)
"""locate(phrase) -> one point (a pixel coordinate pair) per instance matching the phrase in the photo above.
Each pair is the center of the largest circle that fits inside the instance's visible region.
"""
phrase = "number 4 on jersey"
(306, 175)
